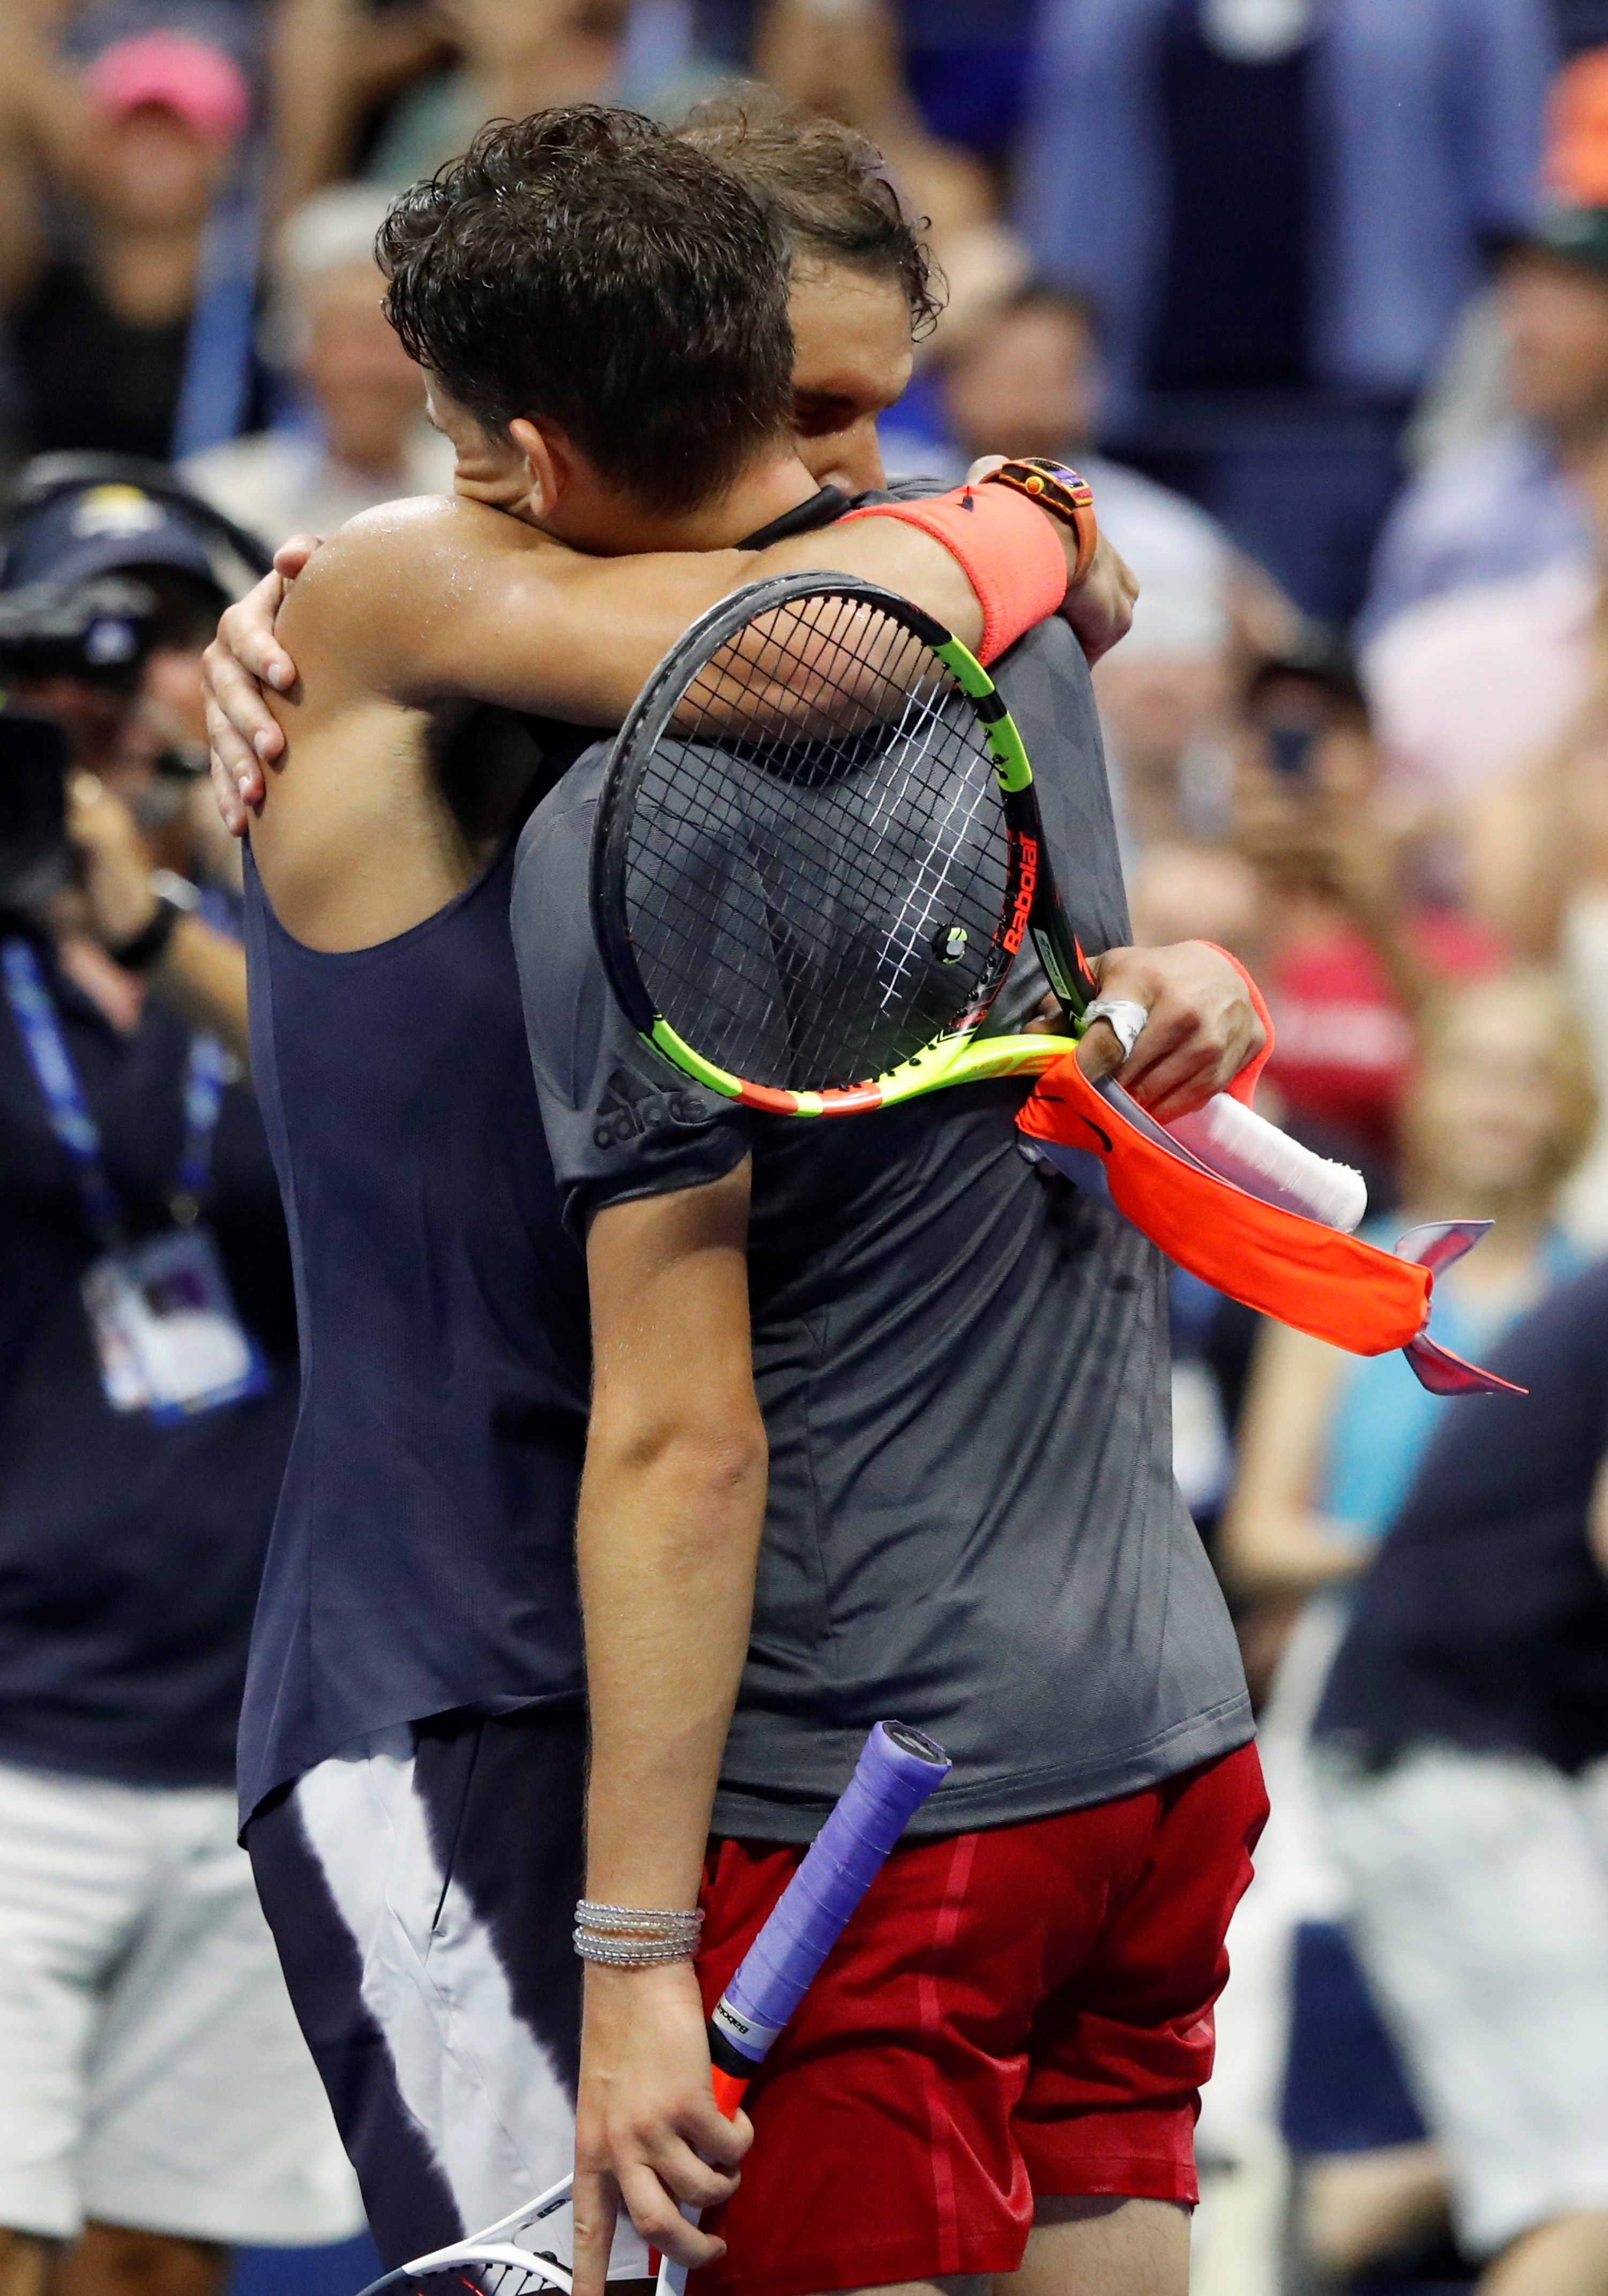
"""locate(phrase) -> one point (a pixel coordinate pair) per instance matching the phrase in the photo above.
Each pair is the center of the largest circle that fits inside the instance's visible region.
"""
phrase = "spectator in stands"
(1537, 848)
(1328, 1447)
(1461, 1740)
(1028, 383)
(1514, 502)
(1470, 690)
(362, 437)
(1331, 1442)
(1279, 234)
(1349, 953)
(1481, 627)
(843, 58)
(100, 326)
(158, 2105)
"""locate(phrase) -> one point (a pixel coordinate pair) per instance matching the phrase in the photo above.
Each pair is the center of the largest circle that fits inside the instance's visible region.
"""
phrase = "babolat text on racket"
(818, 851)
(898, 1769)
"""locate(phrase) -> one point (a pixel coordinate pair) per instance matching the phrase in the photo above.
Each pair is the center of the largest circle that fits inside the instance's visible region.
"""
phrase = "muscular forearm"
(578, 637)
(593, 644)
(668, 1534)
(672, 1501)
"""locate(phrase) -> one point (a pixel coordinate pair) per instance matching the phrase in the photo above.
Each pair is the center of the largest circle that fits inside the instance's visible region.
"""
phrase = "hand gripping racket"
(897, 1771)
(817, 851)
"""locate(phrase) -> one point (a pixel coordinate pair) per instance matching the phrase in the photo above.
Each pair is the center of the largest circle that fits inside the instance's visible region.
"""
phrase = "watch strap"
(1058, 488)
(148, 947)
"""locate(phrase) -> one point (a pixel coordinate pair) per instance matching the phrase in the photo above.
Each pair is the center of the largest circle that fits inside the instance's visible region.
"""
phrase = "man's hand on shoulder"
(1099, 608)
(1201, 1026)
(245, 656)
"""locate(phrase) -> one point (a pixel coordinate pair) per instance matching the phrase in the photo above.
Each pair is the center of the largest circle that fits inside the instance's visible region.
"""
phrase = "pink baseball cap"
(203, 84)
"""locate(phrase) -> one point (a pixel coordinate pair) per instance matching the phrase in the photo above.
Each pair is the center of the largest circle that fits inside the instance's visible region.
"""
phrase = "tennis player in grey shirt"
(882, 1381)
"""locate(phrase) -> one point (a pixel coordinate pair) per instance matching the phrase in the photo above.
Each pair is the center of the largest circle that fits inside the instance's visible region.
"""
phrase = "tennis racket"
(898, 1769)
(818, 851)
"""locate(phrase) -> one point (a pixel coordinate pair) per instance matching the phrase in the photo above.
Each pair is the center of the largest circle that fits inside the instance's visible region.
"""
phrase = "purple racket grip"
(894, 1775)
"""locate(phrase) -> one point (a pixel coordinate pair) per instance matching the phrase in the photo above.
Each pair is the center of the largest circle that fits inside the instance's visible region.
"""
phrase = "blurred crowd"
(1316, 293)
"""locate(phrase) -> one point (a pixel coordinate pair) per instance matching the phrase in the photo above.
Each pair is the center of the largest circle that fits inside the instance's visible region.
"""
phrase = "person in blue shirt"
(158, 2105)
(1331, 1443)
(1280, 213)
(1515, 502)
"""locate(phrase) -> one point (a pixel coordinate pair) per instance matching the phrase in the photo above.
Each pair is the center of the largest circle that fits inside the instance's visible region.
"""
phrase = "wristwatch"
(1063, 492)
(176, 897)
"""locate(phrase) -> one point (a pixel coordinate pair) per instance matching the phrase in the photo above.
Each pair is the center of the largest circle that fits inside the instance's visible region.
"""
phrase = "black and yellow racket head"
(808, 883)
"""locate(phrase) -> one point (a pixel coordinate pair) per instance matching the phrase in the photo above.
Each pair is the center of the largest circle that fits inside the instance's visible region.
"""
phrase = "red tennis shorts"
(1016, 2012)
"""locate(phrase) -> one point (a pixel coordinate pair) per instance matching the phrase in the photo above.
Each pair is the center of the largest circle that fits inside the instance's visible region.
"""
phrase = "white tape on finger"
(1122, 1015)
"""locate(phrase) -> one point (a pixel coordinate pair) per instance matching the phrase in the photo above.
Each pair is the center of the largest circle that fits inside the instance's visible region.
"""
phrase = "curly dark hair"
(585, 267)
(826, 187)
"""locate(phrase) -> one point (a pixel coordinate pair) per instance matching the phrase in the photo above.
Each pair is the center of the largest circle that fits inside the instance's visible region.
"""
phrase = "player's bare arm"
(436, 599)
(671, 1507)
(249, 654)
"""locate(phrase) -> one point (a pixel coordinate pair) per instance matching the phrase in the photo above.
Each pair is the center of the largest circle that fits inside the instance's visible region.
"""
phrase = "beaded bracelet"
(634, 1937)
(633, 1953)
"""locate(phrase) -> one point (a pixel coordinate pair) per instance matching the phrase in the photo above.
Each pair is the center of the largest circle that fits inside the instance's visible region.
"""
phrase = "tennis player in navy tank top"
(412, 1749)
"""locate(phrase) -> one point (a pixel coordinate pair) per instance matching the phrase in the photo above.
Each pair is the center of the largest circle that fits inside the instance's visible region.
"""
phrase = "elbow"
(700, 1465)
(716, 1457)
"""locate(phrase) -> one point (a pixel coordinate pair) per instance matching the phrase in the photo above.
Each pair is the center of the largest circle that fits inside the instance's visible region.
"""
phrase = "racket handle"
(671, 2279)
(897, 1771)
(1233, 1141)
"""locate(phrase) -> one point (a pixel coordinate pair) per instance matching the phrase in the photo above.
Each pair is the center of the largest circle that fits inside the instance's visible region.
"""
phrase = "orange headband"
(1296, 1270)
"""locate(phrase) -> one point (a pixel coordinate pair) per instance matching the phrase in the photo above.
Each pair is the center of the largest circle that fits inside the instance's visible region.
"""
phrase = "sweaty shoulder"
(377, 604)
(620, 1122)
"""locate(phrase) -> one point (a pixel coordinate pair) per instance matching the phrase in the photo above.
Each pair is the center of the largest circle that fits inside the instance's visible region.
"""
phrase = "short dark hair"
(585, 266)
(824, 185)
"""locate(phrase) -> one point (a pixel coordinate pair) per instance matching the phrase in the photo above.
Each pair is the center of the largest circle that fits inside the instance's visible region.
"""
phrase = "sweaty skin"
(851, 336)
(423, 604)
(851, 362)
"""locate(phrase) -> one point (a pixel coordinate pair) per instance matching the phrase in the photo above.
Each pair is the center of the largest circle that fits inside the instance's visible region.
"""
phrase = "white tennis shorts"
(152, 2073)
(1481, 1916)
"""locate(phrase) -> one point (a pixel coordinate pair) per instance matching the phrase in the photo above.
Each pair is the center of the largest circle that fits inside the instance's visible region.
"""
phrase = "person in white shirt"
(360, 436)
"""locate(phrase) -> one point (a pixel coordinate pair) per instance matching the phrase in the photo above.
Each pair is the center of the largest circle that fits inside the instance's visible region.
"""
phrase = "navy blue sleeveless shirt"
(421, 1557)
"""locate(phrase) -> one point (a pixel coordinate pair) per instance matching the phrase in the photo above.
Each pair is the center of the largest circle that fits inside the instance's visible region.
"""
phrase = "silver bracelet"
(633, 1952)
(1122, 1015)
(637, 1920)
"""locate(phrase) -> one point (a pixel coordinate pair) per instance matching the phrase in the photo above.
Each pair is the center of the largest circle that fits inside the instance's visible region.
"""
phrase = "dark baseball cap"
(104, 528)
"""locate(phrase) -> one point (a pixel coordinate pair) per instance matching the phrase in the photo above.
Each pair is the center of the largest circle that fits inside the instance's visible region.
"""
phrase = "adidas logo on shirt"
(631, 1107)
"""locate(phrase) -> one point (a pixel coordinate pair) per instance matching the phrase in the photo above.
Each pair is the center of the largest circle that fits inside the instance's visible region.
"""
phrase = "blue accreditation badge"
(166, 1329)
(163, 1318)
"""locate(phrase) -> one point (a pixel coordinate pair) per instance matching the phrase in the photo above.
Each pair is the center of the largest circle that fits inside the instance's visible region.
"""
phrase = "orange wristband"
(1008, 550)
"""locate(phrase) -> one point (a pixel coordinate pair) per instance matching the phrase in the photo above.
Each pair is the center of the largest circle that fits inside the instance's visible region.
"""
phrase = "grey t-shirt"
(972, 1524)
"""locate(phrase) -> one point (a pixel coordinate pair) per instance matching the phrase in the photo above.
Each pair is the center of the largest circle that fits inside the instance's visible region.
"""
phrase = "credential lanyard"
(35, 1013)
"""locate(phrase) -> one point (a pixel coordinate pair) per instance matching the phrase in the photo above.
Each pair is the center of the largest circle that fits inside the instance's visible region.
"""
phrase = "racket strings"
(469, 2275)
(817, 867)
(833, 876)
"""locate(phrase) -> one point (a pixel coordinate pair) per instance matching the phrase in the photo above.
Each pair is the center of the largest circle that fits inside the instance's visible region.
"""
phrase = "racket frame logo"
(1025, 852)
